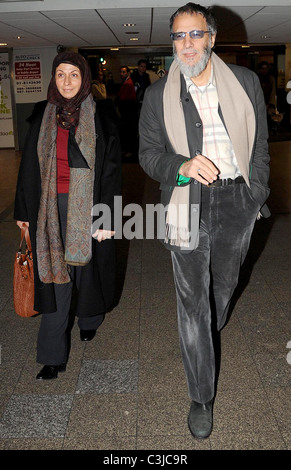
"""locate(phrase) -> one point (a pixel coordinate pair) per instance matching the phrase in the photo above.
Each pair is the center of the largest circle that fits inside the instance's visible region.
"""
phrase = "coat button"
(198, 124)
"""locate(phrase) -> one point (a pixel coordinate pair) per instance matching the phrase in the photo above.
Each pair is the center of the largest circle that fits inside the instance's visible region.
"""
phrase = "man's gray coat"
(161, 163)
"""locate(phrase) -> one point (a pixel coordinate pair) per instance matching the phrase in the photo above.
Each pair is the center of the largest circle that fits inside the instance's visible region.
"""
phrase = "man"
(268, 85)
(126, 91)
(141, 80)
(127, 106)
(203, 136)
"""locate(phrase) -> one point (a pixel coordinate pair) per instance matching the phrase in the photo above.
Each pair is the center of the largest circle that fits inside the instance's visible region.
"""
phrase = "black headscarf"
(68, 109)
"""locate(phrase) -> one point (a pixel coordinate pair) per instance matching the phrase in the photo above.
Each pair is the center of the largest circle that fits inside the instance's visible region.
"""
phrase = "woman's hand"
(22, 225)
(101, 235)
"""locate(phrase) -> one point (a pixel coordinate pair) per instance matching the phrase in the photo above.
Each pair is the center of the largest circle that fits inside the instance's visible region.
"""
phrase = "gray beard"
(193, 70)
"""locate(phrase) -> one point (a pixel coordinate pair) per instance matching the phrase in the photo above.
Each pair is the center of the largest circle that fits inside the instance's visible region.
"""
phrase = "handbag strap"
(25, 235)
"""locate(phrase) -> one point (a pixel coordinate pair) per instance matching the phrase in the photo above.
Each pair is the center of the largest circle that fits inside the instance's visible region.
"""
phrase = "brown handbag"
(23, 279)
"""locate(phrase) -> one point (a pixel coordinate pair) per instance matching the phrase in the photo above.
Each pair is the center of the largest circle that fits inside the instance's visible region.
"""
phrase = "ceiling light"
(18, 37)
(114, 48)
(265, 37)
(3, 44)
(133, 39)
(128, 24)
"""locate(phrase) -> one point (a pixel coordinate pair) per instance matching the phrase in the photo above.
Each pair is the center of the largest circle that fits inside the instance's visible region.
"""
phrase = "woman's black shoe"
(50, 372)
(87, 335)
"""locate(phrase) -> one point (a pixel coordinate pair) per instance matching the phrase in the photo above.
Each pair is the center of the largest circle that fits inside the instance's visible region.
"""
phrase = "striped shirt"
(216, 142)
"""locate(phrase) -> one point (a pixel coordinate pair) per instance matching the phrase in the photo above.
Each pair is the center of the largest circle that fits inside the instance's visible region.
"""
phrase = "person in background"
(98, 87)
(141, 80)
(268, 85)
(153, 74)
(203, 136)
(127, 107)
(71, 161)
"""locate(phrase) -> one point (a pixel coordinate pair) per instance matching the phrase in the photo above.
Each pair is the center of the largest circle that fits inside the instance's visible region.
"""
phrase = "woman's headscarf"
(68, 109)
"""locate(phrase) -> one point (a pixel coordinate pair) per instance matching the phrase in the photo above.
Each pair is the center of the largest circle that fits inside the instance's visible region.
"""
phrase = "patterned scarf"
(239, 117)
(52, 256)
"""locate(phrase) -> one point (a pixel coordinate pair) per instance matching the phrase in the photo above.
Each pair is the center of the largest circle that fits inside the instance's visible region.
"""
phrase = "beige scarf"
(239, 117)
(52, 256)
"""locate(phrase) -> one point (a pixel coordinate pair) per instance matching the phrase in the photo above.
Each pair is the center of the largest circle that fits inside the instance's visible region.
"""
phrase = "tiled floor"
(126, 389)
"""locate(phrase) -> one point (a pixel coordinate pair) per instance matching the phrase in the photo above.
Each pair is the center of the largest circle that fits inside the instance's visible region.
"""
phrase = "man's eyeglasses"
(195, 34)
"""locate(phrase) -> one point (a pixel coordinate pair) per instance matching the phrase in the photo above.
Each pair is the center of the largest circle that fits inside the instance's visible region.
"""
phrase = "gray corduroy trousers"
(228, 215)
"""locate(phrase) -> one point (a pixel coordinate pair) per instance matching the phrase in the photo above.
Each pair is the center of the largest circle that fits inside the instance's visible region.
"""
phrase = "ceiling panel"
(140, 18)
(85, 24)
(67, 14)
(103, 27)
(270, 26)
(161, 28)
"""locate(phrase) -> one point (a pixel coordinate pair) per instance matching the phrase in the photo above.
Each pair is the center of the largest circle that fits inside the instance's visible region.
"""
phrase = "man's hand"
(101, 235)
(201, 169)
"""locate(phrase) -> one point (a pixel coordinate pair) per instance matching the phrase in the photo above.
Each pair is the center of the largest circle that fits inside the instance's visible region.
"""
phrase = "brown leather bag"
(23, 279)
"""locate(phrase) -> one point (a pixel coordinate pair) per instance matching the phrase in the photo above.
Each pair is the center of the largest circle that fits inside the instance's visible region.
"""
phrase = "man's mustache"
(189, 51)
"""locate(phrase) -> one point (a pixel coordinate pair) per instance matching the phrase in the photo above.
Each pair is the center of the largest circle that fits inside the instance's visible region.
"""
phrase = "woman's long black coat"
(96, 292)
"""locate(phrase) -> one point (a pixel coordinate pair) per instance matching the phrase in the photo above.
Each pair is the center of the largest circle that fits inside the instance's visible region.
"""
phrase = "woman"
(70, 162)
(98, 87)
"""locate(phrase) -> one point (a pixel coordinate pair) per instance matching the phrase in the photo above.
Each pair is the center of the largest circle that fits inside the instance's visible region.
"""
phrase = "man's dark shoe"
(87, 335)
(50, 372)
(200, 419)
